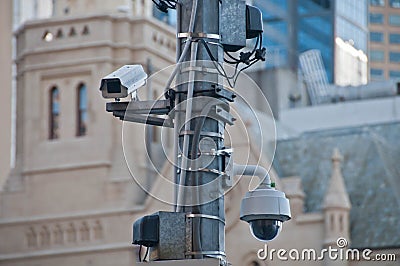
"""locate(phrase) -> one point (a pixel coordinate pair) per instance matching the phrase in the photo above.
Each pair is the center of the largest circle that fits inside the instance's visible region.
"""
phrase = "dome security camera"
(265, 209)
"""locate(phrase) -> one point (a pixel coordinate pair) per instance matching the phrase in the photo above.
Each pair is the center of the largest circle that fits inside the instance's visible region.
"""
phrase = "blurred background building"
(384, 39)
(293, 27)
(6, 76)
(70, 199)
(31, 10)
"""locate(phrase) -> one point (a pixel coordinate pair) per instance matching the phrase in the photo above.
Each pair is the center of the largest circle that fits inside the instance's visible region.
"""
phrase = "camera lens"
(265, 230)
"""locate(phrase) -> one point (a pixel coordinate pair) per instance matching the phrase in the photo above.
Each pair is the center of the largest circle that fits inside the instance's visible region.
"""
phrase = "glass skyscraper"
(294, 26)
(384, 39)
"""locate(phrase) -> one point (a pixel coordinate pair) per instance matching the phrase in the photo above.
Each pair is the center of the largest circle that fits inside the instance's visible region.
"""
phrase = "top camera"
(123, 82)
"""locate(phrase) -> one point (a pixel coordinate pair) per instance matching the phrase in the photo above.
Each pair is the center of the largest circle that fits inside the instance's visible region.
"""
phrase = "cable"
(231, 57)
(147, 254)
(163, 5)
(140, 253)
(186, 48)
(240, 71)
(235, 72)
(244, 56)
(171, 78)
(216, 63)
(188, 116)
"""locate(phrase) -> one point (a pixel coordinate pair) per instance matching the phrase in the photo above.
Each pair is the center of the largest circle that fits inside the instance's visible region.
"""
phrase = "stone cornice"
(51, 22)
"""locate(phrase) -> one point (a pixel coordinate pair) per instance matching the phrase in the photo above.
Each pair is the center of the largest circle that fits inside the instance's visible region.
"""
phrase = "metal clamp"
(199, 35)
(223, 152)
(214, 253)
(200, 69)
(213, 171)
(203, 133)
(205, 216)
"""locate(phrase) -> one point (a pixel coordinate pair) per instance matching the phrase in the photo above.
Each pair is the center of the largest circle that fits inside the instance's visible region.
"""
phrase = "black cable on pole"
(248, 54)
(215, 61)
(147, 254)
(163, 5)
(251, 62)
(241, 70)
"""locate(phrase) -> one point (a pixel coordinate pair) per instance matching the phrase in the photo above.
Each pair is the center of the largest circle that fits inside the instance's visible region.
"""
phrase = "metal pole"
(208, 238)
(149, 129)
(293, 33)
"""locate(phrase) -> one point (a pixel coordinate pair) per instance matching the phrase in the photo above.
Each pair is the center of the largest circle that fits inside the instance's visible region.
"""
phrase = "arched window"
(54, 113)
(81, 111)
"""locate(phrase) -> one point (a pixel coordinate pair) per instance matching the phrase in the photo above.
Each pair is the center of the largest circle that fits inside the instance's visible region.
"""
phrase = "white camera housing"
(123, 81)
(265, 209)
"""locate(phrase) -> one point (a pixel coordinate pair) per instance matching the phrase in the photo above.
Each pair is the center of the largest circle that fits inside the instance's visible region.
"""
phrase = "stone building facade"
(70, 200)
(6, 88)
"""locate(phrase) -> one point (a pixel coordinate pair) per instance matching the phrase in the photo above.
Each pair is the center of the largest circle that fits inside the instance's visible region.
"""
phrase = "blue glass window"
(82, 111)
(377, 56)
(54, 113)
(394, 57)
(316, 33)
(394, 20)
(376, 18)
(313, 6)
(394, 38)
(376, 37)
(394, 74)
(377, 2)
(376, 72)
(395, 3)
(272, 9)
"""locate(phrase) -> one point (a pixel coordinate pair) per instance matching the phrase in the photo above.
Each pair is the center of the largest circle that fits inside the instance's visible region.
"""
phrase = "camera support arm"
(253, 170)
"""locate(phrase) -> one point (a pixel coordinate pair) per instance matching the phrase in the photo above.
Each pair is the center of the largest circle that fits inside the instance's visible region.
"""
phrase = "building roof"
(371, 175)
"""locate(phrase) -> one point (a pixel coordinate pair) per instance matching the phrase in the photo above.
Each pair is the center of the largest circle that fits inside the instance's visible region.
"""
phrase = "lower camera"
(265, 230)
(265, 209)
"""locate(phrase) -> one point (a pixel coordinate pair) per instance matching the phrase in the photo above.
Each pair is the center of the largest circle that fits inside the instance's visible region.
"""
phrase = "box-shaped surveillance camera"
(123, 82)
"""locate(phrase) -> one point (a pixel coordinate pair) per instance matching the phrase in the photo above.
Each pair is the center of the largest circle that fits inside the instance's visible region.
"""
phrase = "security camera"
(123, 82)
(265, 209)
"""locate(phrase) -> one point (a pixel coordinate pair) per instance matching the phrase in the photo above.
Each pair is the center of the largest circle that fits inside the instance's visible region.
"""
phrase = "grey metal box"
(232, 24)
(172, 237)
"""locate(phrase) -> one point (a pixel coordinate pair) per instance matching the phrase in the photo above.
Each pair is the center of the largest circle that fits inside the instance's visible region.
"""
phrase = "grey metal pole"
(293, 33)
(149, 129)
(208, 238)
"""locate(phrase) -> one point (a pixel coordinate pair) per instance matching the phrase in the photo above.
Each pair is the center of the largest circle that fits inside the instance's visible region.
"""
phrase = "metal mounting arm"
(253, 170)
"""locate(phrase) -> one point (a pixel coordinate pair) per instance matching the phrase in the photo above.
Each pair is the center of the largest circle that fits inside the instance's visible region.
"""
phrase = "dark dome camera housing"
(265, 230)
(265, 209)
